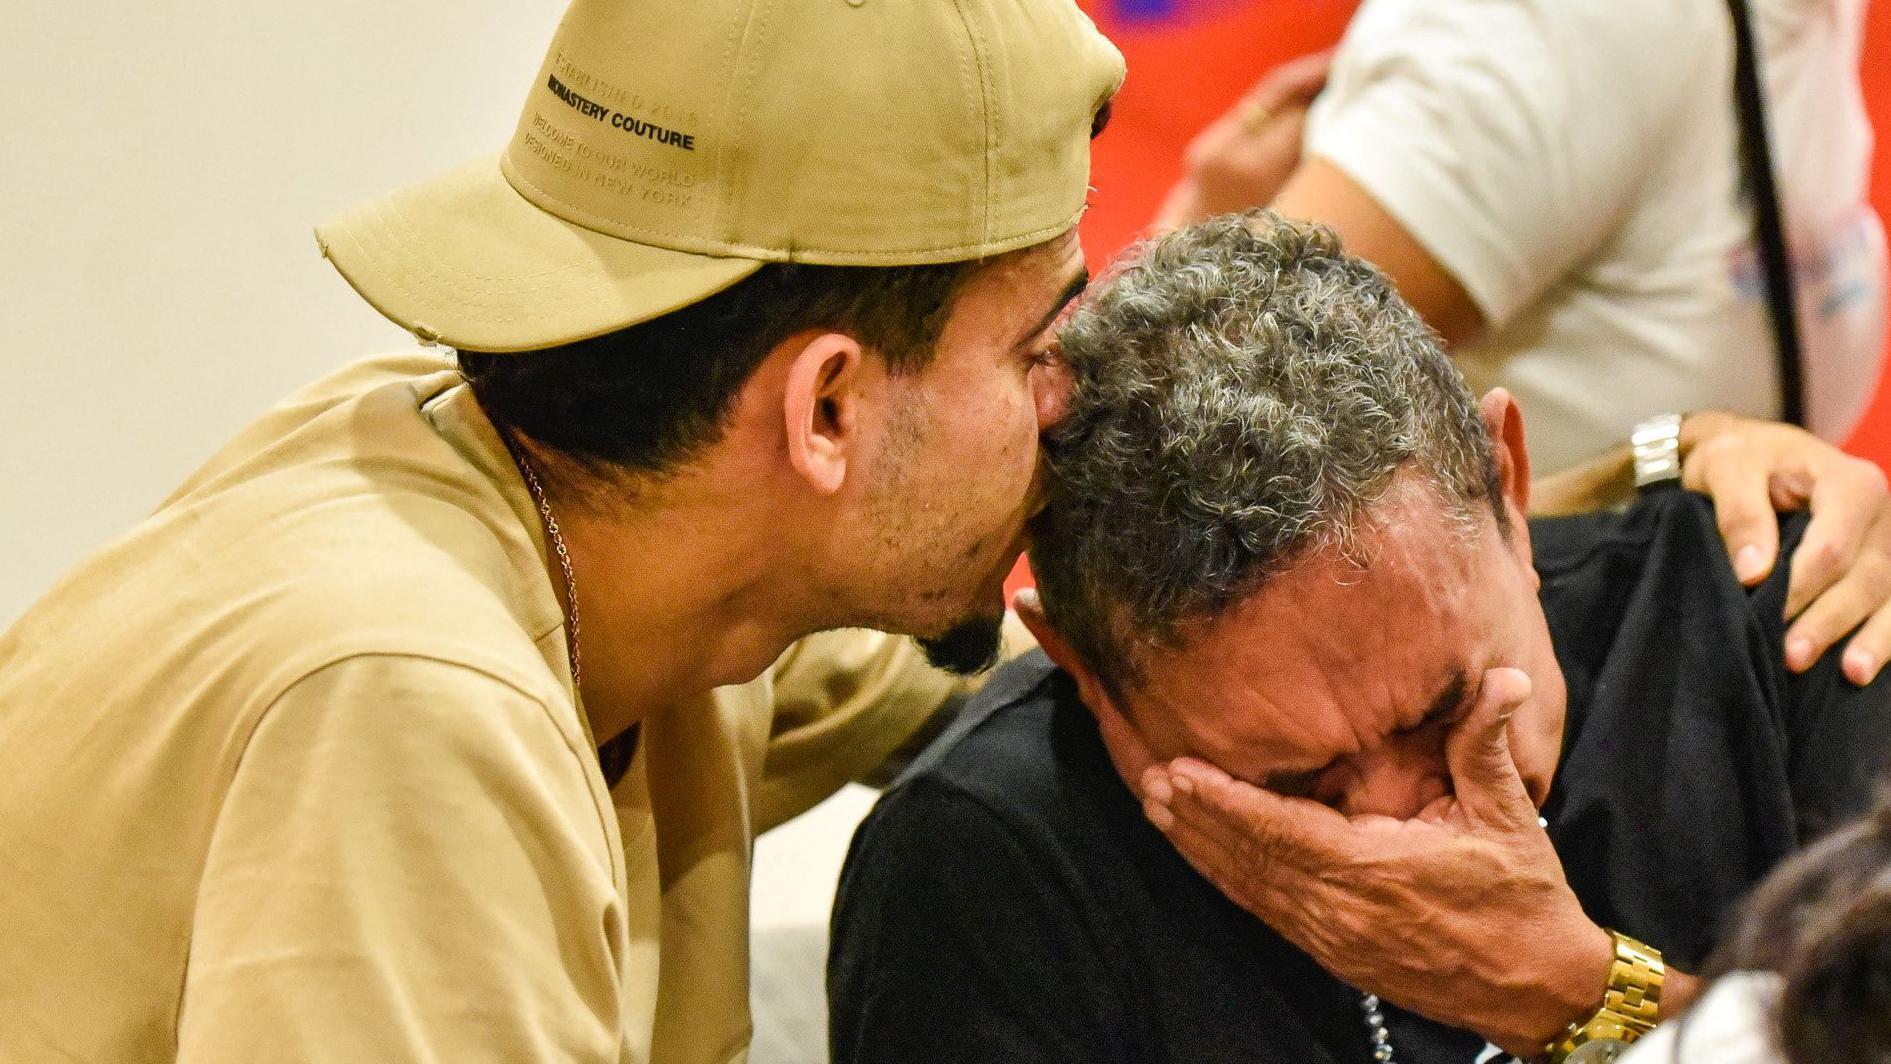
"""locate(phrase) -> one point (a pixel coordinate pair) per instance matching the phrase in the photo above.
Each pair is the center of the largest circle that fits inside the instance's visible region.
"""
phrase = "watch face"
(1598, 1051)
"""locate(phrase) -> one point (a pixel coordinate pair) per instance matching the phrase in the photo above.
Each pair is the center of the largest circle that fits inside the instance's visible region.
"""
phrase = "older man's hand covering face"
(1326, 671)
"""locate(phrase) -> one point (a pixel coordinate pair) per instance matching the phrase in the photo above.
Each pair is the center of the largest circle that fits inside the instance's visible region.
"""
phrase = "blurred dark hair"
(1823, 921)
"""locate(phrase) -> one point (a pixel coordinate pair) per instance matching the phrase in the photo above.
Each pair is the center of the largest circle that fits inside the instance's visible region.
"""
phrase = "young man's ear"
(1128, 752)
(820, 407)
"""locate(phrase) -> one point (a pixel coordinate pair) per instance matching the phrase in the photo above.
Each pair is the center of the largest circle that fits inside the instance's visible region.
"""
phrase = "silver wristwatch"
(1656, 443)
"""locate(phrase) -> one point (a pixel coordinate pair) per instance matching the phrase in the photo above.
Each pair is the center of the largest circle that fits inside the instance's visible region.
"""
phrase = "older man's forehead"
(1342, 647)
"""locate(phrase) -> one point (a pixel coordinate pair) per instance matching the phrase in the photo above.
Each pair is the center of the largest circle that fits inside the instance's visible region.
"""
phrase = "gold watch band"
(1631, 1002)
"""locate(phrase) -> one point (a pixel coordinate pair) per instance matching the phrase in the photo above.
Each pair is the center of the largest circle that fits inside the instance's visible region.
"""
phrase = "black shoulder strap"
(1769, 225)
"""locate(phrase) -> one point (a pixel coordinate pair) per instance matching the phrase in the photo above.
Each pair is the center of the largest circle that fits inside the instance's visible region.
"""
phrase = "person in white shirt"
(1731, 1024)
(1557, 188)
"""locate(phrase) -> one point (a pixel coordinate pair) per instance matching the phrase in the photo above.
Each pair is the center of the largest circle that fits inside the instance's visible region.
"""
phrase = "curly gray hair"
(1246, 392)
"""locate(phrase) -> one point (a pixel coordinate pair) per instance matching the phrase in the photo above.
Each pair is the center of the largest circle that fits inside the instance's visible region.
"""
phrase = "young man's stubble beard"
(967, 648)
(971, 644)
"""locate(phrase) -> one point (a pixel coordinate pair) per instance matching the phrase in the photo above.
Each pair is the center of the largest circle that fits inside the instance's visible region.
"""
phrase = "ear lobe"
(1504, 421)
(1127, 749)
(1030, 609)
(820, 408)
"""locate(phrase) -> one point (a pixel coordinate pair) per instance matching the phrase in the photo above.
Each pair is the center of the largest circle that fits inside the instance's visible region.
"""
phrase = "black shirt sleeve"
(957, 940)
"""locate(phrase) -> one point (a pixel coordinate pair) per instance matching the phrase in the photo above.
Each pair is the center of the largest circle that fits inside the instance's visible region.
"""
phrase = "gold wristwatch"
(1631, 1005)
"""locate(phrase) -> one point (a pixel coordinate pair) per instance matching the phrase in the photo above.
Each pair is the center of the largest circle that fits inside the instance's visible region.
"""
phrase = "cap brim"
(466, 261)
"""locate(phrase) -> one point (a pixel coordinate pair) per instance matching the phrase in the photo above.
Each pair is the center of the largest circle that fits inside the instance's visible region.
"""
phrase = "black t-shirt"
(1007, 901)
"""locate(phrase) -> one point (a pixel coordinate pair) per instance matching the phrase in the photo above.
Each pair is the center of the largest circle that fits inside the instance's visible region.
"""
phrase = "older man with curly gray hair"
(1247, 399)
(1336, 755)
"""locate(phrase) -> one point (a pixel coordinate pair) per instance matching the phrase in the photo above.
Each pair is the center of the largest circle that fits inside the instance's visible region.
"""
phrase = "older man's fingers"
(1263, 826)
(1277, 891)
(1724, 469)
(1267, 891)
(1484, 776)
(1848, 502)
(1215, 849)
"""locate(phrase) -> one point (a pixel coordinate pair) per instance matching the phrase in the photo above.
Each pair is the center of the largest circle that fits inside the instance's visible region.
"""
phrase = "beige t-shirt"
(293, 771)
(1576, 166)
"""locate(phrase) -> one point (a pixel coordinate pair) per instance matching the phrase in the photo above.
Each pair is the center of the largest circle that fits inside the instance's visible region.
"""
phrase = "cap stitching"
(968, 80)
(732, 101)
(758, 36)
(985, 90)
(748, 251)
(452, 287)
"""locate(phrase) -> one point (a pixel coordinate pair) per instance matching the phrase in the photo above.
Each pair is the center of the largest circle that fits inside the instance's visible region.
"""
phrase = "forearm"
(1601, 482)
(1608, 479)
(1678, 991)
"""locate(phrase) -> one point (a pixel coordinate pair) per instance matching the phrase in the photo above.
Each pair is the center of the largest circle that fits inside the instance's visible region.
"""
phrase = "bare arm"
(1321, 192)
(1605, 480)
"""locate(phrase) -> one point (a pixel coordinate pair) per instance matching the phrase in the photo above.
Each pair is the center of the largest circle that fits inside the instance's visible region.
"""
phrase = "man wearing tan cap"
(402, 730)
(306, 767)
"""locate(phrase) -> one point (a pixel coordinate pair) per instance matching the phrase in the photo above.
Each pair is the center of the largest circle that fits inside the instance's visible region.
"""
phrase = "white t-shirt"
(1733, 1024)
(1576, 167)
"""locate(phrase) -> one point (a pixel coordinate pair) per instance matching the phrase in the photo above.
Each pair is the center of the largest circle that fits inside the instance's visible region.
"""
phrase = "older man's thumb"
(1483, 773)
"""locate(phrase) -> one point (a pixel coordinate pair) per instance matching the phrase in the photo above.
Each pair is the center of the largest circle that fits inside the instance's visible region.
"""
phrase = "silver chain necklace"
(1373, 1015)
(558, 549)
(1376, 1034)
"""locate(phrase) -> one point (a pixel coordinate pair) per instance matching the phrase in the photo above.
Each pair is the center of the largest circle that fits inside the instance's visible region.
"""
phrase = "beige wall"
(162, 166)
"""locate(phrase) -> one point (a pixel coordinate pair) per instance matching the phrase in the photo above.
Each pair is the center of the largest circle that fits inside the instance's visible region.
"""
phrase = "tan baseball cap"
(668, 149)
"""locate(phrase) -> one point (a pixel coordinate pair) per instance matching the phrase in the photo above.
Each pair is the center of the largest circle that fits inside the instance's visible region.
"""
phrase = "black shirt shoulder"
(1000, 747)
(965, 927)
(1693, 760)
(1007, 900)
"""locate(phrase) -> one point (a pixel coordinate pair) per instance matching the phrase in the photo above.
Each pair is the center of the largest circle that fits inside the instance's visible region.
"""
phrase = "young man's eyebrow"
(1075, 288)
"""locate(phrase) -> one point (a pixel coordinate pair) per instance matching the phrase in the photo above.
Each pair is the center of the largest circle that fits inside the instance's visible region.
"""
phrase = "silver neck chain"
(1373, 1013)
(1374, 1018)
(558, 550)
